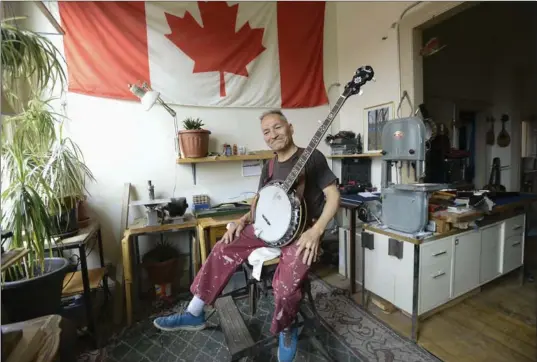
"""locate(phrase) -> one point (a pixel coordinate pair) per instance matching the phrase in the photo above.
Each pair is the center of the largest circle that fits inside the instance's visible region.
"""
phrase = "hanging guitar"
(279, 215)
(503, 137)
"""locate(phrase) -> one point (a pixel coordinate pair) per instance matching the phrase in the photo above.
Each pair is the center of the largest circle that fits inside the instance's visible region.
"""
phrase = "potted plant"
(160, 264)
(67, 173)
(42, 172)
(194, 140)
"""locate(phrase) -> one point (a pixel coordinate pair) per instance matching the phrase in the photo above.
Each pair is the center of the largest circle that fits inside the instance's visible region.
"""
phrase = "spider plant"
(30, 63)
(43, 172)
(24, 210)
(66, 173)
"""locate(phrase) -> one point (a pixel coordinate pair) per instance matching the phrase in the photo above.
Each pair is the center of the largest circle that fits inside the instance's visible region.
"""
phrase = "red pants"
(223, 261)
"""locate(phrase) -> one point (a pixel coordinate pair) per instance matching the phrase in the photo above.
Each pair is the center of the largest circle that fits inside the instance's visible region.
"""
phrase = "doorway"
(479, 70)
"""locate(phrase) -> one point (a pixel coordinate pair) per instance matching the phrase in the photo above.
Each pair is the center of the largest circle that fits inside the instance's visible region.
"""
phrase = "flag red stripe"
(105, 46)
(300, 46)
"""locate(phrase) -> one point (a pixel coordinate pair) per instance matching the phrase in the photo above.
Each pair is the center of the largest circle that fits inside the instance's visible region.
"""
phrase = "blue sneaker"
(185, 322)
(287, 345)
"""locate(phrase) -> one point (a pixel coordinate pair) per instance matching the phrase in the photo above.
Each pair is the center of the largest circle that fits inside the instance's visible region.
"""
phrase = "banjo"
(279, 214)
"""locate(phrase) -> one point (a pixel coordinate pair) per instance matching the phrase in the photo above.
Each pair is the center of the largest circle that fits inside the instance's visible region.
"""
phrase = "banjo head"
(274, 213)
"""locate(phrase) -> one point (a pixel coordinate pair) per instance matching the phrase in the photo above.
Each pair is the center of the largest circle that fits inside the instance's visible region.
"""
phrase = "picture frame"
(374, 119)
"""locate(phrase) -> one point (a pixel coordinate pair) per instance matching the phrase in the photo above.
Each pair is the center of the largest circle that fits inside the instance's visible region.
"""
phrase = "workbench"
(130, 237)
(420, 275)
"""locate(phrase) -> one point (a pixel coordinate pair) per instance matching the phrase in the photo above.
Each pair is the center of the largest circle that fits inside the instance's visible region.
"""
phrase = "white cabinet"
(490, 253)
(435, 273)
(448, 267)
(466, 256)
(512, 243)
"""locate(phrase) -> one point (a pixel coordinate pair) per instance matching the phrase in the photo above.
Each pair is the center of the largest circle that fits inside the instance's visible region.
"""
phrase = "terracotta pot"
(162, 272)
(195, 142)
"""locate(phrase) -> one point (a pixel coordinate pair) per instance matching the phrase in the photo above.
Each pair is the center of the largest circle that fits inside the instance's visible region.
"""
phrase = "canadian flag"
(214, 54)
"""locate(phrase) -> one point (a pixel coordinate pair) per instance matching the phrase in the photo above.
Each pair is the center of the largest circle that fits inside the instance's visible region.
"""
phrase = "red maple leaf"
(215, 46)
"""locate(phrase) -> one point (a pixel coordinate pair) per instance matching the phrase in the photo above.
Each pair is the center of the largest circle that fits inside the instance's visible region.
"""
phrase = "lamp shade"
(149, 99)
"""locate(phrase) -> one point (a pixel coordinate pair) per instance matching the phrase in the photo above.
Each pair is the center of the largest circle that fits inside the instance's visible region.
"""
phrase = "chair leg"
(252, 298)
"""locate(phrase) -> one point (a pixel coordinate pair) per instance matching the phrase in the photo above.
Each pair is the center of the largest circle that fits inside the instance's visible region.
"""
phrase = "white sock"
(195, 307)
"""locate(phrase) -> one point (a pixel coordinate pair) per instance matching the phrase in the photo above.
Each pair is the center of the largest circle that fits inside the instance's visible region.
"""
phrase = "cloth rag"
(259, 256)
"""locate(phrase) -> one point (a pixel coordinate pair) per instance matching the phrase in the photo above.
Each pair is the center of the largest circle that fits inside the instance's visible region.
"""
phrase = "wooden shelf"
(72, 284)
(260, 155)
(265, 155)
(10, 257)
(361, 155)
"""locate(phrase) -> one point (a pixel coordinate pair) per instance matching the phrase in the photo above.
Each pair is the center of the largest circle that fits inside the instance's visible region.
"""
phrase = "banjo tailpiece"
(279, 213)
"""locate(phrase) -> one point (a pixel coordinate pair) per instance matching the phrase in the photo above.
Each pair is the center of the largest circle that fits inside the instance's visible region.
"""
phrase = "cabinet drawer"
(512, 253)
(514, 226)
(435, 285)
(436, 251)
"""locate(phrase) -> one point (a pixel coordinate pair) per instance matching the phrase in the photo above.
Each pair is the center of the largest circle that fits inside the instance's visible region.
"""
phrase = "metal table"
(80, 241)
(352, 203)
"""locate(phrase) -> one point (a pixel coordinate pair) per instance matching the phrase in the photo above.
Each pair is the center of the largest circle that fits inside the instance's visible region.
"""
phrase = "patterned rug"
(349, 334)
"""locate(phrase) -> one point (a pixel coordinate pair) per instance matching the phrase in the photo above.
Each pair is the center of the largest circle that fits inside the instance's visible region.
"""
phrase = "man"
(322, 201)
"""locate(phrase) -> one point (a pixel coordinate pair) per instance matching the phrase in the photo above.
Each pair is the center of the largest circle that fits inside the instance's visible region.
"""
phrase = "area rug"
(349, 334)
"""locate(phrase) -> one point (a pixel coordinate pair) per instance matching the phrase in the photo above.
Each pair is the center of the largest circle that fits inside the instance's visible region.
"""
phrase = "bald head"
(274, 113)
(277, 131)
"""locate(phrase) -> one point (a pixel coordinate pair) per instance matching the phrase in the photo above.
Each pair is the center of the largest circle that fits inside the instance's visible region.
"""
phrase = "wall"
(362, 27)
(474, 73)
(122, 143)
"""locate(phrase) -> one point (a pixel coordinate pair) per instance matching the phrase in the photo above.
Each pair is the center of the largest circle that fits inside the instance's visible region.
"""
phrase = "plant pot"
(83, 212)
(194, 142)
(163, 272)
(66, 223)
(36, 297)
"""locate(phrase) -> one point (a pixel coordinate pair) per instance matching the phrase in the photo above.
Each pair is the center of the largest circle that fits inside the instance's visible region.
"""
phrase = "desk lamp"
(148, 98)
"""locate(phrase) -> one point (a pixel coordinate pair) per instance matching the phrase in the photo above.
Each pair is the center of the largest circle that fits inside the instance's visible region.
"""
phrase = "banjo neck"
(314, 142)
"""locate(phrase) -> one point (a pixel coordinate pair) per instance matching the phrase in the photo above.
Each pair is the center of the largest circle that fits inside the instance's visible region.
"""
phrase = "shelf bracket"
(193, 166)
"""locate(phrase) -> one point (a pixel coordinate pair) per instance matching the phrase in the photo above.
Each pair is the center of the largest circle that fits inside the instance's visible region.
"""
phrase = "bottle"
(151, 190)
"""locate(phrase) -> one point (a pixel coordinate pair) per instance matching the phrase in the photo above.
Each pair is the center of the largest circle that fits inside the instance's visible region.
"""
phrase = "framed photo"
(374, 119)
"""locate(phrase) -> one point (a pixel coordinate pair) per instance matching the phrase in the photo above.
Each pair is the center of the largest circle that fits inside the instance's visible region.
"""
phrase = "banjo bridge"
(266, 220)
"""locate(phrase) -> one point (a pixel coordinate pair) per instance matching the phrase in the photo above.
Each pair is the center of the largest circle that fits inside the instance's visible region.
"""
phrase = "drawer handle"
(516, 244)
(517, 227)
(439, 275)
(440, 253)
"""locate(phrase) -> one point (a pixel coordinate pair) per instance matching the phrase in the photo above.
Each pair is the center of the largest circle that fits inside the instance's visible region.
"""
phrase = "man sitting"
(322, 201)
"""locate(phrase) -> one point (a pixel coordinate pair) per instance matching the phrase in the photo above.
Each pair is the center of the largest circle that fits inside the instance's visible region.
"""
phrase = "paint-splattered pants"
(223, 261)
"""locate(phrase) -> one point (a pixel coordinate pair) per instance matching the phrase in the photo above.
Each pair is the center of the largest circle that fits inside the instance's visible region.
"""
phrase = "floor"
(497, 324)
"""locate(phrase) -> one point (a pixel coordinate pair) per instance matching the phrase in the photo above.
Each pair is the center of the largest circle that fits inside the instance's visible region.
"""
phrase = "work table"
(503, 208)
(419, 275)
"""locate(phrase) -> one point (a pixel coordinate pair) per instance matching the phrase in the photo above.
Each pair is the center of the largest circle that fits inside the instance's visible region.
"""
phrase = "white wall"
(122, 143)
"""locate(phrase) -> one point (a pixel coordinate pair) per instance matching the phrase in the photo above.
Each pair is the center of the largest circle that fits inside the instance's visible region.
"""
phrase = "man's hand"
(233, 232)
(309, 243)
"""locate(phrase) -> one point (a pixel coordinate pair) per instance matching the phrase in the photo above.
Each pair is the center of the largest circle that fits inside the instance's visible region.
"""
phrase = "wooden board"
(237, 335)
(10, 257)
(72, 282)
(261, 155)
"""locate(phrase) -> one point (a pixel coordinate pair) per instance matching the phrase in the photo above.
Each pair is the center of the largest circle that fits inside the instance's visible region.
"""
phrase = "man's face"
(278, 134)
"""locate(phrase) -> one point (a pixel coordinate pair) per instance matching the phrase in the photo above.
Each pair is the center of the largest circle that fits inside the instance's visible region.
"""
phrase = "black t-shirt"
(318, 176)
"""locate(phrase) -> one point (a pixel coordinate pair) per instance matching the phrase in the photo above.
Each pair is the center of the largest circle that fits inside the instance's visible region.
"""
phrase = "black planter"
(36, 297)
(66, 223)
